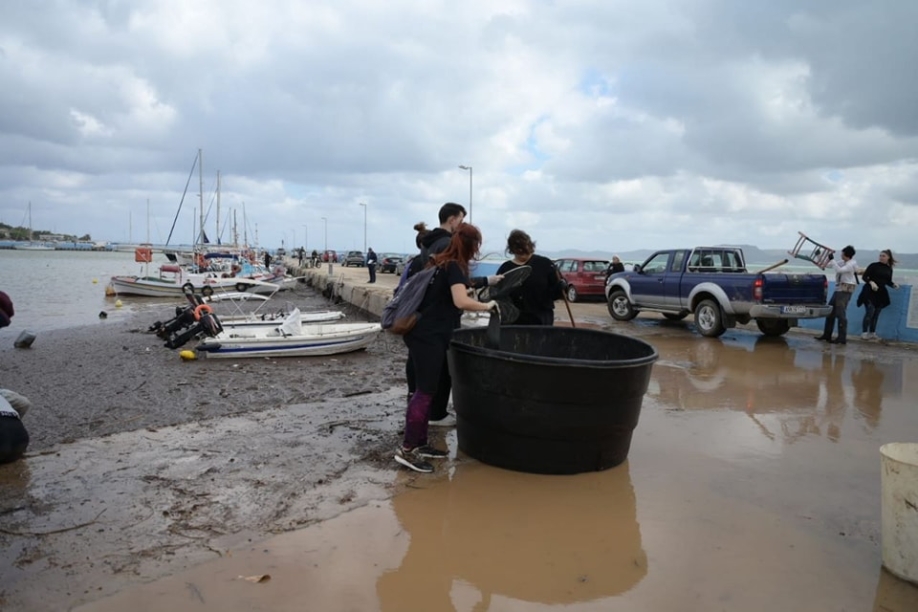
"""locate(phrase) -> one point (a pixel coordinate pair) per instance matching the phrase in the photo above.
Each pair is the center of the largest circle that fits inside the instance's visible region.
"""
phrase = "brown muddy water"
(753, 483)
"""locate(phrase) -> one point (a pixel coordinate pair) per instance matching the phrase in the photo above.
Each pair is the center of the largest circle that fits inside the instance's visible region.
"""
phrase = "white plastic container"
(899, 509)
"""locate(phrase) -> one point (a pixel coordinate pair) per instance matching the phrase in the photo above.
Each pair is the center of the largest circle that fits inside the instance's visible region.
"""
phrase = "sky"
(595, 125)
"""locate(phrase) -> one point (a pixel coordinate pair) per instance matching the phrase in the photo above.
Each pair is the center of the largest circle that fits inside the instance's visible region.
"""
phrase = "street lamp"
(469, 168)
(326, 233)
(364, 225)
(305, 237)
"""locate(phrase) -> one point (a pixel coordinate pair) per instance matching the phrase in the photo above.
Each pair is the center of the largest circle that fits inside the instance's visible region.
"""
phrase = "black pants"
(441, 395)
(839, 302)
(14, 439)
(372, 269)
(871, 317)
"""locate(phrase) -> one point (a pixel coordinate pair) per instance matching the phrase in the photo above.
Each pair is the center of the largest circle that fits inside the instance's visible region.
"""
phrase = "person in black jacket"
(874, 296)
(616, 266)
(14, 439)
(433, 242)
(536, 297)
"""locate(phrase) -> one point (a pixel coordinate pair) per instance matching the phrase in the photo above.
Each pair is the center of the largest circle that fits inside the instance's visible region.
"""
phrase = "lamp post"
(305, 237)
(326, 232)
(364, 225)
(469, 168)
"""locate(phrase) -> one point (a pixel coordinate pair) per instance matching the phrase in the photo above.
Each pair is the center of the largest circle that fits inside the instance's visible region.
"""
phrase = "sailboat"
(31, 245)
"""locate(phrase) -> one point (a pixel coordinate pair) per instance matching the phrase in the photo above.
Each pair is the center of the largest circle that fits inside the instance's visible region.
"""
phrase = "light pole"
(469, 168)
(305, 237)
(326, 233)
(364, 225)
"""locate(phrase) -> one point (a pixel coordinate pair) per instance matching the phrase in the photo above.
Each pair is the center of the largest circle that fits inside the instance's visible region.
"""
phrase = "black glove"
(831, 256)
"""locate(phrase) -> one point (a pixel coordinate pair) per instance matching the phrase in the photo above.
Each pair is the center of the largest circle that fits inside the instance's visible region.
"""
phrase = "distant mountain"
(754, 255)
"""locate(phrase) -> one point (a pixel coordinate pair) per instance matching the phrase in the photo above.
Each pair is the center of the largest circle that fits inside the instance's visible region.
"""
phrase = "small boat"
(272, 321)
(173, 281)
(289, 339)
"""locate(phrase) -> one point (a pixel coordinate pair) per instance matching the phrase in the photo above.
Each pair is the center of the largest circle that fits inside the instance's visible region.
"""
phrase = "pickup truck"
(712, 283)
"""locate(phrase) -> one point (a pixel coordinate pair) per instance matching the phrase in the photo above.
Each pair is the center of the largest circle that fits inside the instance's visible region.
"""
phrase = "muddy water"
(752, 484)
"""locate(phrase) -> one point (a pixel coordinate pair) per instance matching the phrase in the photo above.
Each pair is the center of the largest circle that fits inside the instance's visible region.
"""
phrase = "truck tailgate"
(794, 289)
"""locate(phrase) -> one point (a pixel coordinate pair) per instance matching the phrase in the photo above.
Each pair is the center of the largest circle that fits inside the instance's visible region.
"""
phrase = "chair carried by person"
(812, 251)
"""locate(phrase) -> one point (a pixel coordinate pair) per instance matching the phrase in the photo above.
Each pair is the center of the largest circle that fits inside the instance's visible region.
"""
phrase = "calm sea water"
(61, 289)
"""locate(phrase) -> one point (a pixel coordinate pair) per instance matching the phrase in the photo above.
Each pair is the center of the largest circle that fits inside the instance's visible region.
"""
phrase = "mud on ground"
(141, 464)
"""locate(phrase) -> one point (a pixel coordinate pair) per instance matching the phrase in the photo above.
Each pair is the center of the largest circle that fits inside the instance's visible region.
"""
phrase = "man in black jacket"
(435, 241)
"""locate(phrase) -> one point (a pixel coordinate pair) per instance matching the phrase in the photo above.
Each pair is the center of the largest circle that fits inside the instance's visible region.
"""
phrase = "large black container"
(549, 400)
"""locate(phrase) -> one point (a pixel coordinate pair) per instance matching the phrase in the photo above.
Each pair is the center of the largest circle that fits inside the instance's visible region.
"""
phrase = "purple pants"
(416, 419)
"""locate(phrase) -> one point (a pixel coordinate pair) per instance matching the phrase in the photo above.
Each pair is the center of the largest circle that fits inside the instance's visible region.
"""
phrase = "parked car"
(712, 283)
(354, 258)
(584, 277)
(330, 255)
(388, 262)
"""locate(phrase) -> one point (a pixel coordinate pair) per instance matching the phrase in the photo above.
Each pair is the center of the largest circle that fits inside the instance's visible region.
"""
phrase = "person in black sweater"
(874, 296)
(536, 297)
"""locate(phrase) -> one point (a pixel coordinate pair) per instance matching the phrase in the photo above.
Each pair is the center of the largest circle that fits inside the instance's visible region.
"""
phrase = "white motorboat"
(289, 338)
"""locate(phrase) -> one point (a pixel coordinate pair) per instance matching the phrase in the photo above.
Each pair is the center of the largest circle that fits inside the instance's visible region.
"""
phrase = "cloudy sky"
(598, 125)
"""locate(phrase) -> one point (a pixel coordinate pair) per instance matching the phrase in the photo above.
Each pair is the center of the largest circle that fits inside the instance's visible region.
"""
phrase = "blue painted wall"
(893, 318)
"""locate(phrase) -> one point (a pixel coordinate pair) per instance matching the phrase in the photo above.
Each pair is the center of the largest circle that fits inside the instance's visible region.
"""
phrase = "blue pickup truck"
(712, 283)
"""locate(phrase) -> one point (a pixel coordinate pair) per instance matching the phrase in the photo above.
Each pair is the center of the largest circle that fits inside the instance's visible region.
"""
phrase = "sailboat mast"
(201, 194)
(148, 220)
(218, 207)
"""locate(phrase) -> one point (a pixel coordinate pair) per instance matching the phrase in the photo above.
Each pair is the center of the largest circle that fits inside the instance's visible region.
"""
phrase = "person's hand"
(494, 279)
(895, 286)
(492, 306)
(831, 256)
(873, 286)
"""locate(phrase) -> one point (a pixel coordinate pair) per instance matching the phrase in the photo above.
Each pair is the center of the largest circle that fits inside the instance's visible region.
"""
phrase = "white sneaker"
(448, 421)
(874, 336)
(865, 336)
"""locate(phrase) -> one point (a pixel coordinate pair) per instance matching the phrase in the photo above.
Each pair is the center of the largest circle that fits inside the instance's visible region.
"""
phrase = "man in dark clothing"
(371, 264)
(435, 241)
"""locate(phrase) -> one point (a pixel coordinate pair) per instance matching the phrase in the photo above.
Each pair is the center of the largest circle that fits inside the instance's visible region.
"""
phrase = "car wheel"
(571, 293)
(620, 306)
(709, 320)
(773, 327)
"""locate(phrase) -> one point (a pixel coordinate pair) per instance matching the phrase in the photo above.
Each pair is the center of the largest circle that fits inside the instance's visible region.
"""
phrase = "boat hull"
(315, 340)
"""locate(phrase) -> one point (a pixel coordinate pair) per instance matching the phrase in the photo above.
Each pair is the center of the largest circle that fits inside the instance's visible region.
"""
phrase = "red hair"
(463, 248)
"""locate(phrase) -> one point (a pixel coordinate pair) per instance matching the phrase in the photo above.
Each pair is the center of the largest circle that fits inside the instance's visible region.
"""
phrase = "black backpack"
(401, 314)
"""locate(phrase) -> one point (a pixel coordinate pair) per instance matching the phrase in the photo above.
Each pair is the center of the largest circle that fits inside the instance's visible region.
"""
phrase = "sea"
(64, 289)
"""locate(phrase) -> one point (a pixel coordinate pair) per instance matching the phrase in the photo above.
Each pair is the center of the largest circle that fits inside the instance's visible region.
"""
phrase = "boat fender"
(202, 308)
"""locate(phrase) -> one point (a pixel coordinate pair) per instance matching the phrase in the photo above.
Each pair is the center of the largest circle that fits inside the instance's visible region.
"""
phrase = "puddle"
(752, 484)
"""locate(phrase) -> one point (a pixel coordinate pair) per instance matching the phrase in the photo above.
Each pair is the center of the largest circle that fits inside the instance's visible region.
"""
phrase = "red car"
(584, 276)
(330, 255)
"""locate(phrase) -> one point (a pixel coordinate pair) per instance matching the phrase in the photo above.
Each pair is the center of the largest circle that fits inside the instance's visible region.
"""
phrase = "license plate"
(793, 309)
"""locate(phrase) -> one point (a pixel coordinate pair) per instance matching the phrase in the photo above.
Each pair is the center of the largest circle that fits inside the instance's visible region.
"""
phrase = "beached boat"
(173, 280)
(289, 339)
(269, 321)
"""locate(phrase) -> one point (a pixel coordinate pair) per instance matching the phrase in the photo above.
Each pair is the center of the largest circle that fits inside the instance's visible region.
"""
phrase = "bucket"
(899, 509)
(548, 400)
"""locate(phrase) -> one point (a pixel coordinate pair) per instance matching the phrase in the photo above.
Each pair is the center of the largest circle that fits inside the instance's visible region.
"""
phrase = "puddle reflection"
(490, 533)
(809, 391)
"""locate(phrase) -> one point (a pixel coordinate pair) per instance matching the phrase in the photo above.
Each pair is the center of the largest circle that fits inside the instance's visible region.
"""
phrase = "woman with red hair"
(439, 313)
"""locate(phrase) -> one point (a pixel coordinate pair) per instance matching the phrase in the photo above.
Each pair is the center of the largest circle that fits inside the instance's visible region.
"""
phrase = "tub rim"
(557, 361)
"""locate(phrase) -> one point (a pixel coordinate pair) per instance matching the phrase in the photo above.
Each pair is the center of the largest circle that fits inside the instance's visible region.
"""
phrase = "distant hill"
(753, 254)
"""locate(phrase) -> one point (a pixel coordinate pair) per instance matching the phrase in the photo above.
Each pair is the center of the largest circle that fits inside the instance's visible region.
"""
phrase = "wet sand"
(752, 484)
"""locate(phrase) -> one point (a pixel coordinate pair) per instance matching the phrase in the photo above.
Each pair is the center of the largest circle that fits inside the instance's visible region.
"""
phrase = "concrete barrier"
(350, 285)
(898, 321)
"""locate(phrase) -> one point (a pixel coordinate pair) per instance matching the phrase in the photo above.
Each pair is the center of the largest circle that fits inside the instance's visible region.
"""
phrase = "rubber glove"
(831, 256)
(873, 286)
(494, 279)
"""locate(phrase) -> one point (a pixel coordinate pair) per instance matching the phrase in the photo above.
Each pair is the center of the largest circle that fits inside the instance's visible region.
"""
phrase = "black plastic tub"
(548, 400)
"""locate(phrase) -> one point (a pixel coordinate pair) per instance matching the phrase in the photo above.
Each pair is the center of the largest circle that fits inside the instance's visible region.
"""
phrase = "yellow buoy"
(118, 304)
(95, 281)
(187, 355)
